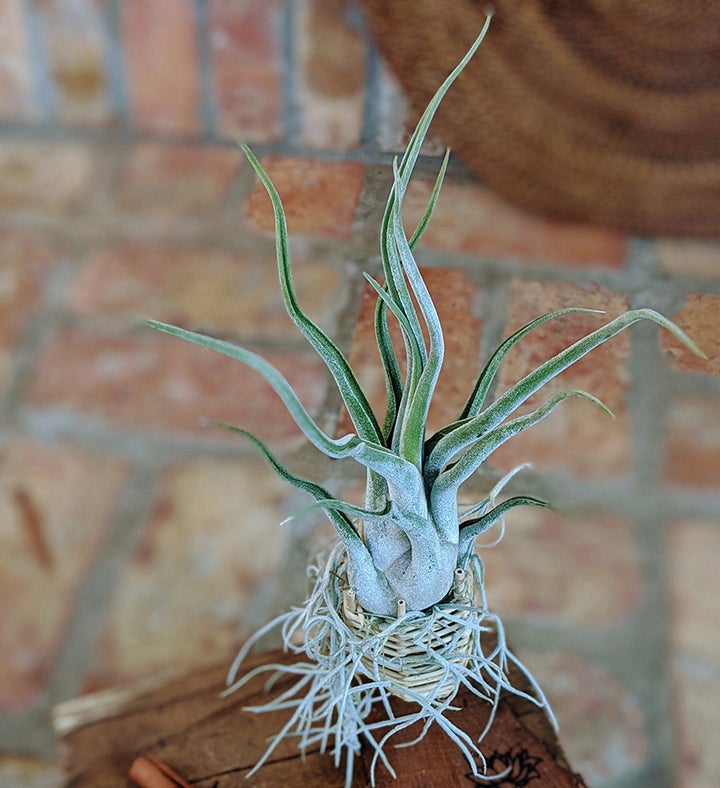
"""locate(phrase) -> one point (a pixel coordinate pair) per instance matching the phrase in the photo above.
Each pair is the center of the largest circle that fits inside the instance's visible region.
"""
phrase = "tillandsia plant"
(399, 607)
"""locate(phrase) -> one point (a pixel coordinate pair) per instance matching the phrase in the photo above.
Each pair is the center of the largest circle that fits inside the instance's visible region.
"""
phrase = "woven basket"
(599, 112)
(406, 657)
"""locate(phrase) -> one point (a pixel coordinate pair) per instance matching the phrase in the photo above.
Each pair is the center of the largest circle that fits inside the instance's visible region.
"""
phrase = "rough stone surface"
(44, 176)
(245, 47)
(123, 195)
(162, 71)
(577, 436)
(688, 257)
(15, 80)
(24, 266)
(693, 453)
(319, 197)
(212, 539)
(178, 182)
(28, 773)
(147, 381)
(691, 550)
(332, 65)
(214, 289)
(55, 506)
(534, 572)
(699, 319)
(601, 722)
(469, 218)
(74, 31)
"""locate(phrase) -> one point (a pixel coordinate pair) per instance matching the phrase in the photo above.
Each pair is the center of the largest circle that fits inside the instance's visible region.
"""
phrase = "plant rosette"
(398, 608)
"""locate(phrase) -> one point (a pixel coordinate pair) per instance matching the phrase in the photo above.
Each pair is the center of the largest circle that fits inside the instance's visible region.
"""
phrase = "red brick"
(147, 381)
(700, 318)
(694, 588)
(601, 723)
(693, 453)
(45, 556)
(457, 301)
(697, 720)
(15, 87)
(331, 69)
(44, 176)
(162, 65)
(577, 436)
(74, 33)
(28, 772)
(245, 51)
(395, 122)
(688, 257)
(175, 182)
(694, 595)
(212, 541)
(24, 265)
(215, 289)
(470, 218)
(320, 197)
(582, 569)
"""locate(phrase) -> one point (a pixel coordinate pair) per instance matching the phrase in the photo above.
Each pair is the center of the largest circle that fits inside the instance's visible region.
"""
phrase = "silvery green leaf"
(517, 394)
(445, 487)
(484, 381)
(473, 528)
(412, 426)
(355, 401)
(425, 220)
(391, 370)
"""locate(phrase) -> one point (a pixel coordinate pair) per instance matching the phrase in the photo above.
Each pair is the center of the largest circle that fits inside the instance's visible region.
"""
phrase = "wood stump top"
(189, 735)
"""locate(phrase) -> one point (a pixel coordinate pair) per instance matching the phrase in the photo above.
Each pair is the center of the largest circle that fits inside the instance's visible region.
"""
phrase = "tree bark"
(179, 732)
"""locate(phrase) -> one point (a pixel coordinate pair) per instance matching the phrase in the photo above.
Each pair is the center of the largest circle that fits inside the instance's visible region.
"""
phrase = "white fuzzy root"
(334, 692)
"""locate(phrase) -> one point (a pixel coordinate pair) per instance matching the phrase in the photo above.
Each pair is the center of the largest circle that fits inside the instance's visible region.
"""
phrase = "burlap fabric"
(601, 111)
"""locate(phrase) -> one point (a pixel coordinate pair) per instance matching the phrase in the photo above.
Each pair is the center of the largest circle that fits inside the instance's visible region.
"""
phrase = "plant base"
(356, 663)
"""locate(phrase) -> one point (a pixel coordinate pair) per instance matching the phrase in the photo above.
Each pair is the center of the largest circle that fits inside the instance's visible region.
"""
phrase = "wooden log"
(184, 733)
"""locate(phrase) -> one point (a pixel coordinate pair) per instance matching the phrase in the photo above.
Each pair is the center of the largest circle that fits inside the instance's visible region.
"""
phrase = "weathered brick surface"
(161, 65)
(581, 568)
(213, 540)
(396, 121)
(689, 258)
(121, 196)
(175, 182)
(692, 548)
(457, 300)
(15, 81)
(44, 176)
(693, 588)
(698, 317)
(319, 197)
(469, 218)
(693, 451)
(332, 68)
(245, 50)
(577, 436)
(24, 265)
(696, 703)
(212, 289)
(602, 725)
(28, 773)
(75, 34)
(147, 381)
(55, 505)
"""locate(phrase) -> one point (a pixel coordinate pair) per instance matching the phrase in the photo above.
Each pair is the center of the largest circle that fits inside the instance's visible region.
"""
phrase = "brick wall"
(134, 535)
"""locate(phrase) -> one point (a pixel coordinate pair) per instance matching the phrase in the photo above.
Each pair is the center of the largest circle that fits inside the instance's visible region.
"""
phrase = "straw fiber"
(602, 112)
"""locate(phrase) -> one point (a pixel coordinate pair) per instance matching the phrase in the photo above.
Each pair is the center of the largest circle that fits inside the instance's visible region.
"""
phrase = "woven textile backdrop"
(601, 112)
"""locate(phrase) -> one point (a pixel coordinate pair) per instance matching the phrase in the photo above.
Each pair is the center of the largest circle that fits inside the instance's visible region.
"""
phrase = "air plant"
(405, 564)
